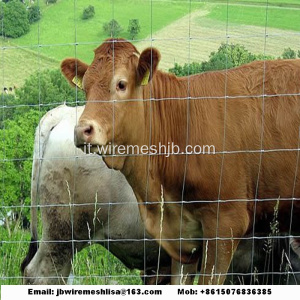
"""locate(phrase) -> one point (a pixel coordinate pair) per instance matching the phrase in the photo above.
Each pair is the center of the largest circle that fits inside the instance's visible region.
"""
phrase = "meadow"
(258, 15)
(61, 33)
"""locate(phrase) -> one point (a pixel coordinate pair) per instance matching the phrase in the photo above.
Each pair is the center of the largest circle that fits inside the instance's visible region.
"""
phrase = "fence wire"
(88, 219)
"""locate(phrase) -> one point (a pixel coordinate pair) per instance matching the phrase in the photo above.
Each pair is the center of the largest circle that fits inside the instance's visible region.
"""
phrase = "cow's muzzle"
(83, 134)
(89, 133)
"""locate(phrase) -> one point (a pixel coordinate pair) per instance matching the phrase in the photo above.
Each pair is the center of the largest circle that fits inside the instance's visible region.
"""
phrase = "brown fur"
(239, 111)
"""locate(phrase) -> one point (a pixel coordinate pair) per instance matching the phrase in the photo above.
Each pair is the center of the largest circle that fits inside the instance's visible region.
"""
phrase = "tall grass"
(13, 249)
(93, 265)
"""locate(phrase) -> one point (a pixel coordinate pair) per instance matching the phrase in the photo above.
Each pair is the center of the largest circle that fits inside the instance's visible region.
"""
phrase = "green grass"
(17, 64)
(61, 25)
(93, 265)
(259, 16)
(281, 3)
(13, 249)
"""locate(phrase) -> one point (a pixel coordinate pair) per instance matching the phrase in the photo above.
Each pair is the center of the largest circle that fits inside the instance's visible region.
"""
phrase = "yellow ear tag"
(146, 78)
(77, 81)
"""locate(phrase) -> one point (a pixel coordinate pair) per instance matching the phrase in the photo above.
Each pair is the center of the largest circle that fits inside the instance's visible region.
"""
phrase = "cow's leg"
(221, 232)
(50, 265)
(183, 273)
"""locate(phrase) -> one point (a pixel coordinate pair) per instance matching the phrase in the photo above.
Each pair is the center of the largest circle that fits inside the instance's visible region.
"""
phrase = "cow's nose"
(83, 134)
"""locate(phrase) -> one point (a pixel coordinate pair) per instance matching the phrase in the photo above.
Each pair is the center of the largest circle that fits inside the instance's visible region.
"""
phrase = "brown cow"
(251, 114)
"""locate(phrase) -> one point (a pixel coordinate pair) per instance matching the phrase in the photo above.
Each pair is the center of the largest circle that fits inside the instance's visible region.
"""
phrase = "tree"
(7, 101)
(133, 28)
(226, 57)
(16, 146)
(15, 20)
(46, 88)
(288, 53)
(88, 12)
(186, 69)
(2, 10)
(112, 28)
(34, 14)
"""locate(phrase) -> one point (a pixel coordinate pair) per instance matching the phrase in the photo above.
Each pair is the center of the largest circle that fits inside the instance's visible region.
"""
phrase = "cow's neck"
(166, 124)
(166, 113)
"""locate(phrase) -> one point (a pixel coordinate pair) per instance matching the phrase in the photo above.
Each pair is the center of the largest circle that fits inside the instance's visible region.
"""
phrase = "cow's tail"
(33, 246)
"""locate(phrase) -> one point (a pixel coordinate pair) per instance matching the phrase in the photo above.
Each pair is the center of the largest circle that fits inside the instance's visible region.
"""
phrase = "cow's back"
(251, 114)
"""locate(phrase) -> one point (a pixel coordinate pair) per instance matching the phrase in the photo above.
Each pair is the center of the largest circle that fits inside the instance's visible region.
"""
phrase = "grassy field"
(275, 17)
(281, 3)
(61, 26)
(62, 33)
(16, 64)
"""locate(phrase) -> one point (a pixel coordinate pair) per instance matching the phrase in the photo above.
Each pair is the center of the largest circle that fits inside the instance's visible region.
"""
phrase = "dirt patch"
(193, 37)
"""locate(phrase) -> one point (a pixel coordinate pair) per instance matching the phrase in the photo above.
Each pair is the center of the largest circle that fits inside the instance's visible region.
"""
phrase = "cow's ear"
(147, 65)
(73, 69)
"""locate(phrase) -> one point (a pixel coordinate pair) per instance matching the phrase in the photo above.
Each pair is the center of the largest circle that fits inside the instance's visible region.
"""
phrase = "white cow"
(82, 201)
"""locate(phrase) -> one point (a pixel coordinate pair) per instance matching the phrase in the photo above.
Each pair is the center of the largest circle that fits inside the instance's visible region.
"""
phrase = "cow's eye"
(121, 86)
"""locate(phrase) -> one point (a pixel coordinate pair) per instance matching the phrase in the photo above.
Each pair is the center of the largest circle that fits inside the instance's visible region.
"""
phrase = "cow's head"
(113, 86)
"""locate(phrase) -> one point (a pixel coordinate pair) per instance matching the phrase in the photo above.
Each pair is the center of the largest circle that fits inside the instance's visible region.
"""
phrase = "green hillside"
(62, 32)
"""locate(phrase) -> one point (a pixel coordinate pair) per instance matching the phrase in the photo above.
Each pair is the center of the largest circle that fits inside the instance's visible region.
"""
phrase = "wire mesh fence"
(169, 213)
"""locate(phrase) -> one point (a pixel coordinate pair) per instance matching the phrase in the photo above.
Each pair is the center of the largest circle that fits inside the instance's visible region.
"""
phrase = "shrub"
(47, 87)
(226, 57)
(288, 53)
(15, 20)
(88, 12)
(34, 14)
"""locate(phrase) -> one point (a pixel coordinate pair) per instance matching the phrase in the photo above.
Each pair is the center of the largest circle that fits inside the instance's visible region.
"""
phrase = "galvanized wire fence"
(78, 206)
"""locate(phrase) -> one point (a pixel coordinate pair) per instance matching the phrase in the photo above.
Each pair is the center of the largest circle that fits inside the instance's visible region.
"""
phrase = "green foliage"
(51, 1)
(34, 14)
(9, 102)
(134, 28)
(186, 69)
(226, 57)
(16, 146)
(112, 28)
(288, 53)
(88, 12)
(2, 12)
(15, 20)
(48, 87)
